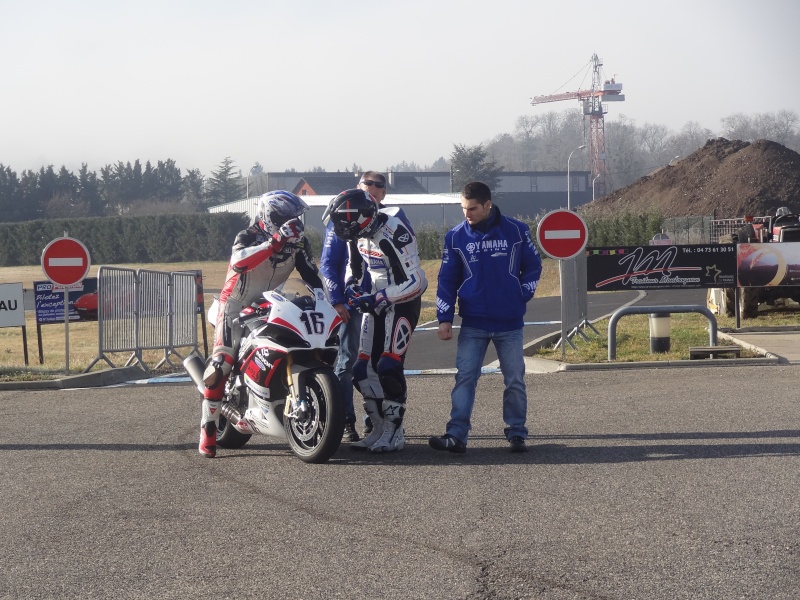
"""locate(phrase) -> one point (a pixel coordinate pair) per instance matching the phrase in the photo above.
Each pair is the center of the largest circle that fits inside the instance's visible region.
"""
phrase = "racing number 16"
(314, 322)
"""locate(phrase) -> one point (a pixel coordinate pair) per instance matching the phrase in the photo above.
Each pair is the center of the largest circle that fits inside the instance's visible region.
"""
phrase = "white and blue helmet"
(275, 208)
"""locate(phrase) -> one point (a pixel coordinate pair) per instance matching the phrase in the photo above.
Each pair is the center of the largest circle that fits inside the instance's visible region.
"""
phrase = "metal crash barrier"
(145, 310)
(641, 310)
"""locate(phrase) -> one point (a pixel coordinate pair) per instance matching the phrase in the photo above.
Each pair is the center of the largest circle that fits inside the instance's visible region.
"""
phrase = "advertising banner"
(12, 309)
(661, 267)
(768, 265)
(50, 302)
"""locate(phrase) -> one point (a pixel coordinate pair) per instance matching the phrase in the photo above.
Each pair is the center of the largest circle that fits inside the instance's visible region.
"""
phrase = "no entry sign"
(562, 234)
(65, 261)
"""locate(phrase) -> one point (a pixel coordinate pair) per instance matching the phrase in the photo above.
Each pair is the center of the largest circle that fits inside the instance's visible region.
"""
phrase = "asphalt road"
(658, 484)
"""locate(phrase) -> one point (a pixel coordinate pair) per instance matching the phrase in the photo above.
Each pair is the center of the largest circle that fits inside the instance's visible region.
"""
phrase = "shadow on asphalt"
(543, 450)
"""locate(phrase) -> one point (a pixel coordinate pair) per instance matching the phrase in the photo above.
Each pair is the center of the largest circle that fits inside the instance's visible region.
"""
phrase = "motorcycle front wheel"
(316, 436)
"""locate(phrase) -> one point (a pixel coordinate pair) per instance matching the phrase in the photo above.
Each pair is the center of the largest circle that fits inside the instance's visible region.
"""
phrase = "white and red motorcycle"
(282, 383)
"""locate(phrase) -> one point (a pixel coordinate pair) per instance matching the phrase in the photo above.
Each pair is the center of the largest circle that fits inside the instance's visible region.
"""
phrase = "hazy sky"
(305, 83)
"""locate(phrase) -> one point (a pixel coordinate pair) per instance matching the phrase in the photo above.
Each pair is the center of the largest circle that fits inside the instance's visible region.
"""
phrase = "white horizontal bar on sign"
(562, 234)
(65, 262)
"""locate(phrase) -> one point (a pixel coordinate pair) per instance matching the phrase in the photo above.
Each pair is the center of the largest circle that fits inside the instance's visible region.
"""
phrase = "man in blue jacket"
(491, 265)
(335, 255)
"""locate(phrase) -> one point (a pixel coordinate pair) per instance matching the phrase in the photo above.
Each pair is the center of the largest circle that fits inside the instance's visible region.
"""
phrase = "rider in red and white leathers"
(389, 293)
(263, 257)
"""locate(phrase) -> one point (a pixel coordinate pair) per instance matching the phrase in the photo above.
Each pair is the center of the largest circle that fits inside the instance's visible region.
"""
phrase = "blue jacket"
(493, 274)
(332, 265)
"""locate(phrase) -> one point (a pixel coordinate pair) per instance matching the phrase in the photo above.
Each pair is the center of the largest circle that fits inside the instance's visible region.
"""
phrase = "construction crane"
(592, 101)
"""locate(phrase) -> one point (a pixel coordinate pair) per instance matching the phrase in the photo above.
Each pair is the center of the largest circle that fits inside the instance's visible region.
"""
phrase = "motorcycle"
(282, 384)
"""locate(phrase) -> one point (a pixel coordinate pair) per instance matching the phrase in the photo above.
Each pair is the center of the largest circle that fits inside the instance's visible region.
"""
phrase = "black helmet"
(354, 214)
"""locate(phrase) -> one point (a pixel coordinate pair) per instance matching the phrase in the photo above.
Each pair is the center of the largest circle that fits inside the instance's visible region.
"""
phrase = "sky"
(312, 83)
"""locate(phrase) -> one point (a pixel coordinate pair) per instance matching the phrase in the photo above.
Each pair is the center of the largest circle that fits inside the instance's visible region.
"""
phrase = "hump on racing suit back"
(396, 211)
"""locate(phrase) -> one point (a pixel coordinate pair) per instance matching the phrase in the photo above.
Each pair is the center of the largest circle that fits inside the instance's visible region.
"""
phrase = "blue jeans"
(349, 335)
(472, 345)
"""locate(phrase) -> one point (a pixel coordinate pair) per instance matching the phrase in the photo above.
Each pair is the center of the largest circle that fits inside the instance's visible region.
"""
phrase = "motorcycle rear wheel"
(316, 437)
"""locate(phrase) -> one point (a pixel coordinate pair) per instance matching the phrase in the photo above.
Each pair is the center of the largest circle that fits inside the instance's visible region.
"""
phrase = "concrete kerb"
(84, 380)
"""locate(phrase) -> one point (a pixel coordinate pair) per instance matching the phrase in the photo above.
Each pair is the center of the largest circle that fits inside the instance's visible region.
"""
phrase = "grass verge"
(686, 330)
(632, 331)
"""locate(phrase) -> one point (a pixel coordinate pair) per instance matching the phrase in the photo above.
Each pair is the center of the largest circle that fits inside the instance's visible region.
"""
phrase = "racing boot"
(209, 423)
(374, 413)
(392, 437)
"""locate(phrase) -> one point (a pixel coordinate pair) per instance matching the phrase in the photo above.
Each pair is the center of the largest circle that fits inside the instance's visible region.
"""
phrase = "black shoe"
(447, 442)
(367, 426)
(517, 444)
(350, 434)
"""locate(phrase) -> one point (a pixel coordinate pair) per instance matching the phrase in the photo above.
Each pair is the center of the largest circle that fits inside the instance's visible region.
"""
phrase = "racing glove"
(290, 232)
(375, 304)
(352, 292)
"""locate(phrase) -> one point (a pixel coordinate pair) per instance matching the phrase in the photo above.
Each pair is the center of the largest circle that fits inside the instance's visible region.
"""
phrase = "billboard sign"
(661, 267)
(12, 308)
(50, 302)
(768, 265)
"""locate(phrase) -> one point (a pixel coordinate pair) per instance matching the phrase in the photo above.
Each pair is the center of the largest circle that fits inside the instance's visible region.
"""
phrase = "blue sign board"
(50, 303)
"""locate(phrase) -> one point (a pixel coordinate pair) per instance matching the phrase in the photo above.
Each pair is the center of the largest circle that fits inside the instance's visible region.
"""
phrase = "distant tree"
(405, 167)
(193, 189)
(150, 186)
(134, 189)
(256, 169)
(62, 206)
(10, 195)
(224, 185)
(66, 183)
(691, 137)
(654, 138)
(625, 160)
(29, 195)
(89, 192)
(780, 127)
(440, 164)
(110, 188)
(525, 127)
(513, 154)
(473, 164)
(738, 126)
(315, 170)
(170, 181)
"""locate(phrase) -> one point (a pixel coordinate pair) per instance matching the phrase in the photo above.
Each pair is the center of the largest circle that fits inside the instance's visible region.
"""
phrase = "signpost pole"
(66, 329)
(65, 262)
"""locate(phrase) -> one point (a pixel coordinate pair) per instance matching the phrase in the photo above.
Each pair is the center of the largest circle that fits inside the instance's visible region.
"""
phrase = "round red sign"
(65, 261)
(562, 234)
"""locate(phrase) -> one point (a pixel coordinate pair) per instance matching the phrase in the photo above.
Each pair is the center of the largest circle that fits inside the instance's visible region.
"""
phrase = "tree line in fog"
(537, 143)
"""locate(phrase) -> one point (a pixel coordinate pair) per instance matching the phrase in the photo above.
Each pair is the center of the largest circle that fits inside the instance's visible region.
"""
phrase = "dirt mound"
(726, 178)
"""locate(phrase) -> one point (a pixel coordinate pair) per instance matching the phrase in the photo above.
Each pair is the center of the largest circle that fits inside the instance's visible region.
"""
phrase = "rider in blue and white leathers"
(383, 256)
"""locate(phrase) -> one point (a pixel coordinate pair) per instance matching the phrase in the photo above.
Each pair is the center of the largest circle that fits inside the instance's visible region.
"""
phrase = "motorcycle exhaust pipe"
(195, 367)
(230, 413)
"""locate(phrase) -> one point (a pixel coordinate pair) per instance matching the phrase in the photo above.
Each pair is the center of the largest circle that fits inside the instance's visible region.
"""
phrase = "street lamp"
(593, 180)
(452, 172)
(581, 147)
